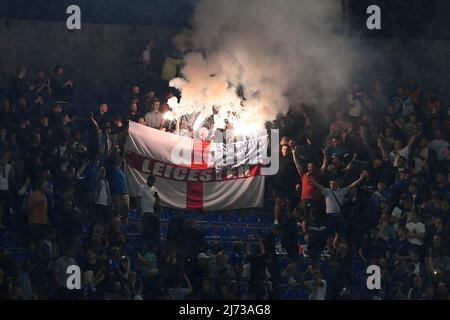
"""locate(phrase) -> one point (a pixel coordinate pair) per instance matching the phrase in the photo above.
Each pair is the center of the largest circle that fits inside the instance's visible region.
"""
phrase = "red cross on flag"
(194, 174)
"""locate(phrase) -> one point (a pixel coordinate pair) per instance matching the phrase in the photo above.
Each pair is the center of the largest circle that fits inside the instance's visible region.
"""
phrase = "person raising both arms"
(310, 194)
(334, 201)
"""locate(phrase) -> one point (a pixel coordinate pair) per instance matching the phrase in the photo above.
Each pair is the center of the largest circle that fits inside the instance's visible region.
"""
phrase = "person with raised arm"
(310, 195)
(334, 202)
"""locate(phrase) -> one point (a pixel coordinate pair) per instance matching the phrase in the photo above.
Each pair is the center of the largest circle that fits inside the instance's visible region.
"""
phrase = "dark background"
(171, 13)
(414, 33)
(400, 18)
(403, 18)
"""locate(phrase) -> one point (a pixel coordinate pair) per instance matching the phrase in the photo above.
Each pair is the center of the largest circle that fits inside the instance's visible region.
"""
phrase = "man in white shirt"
(147, 62)
(416, 230)
(102, 199)
(60, 274)
(148, 201)
(439, 144)
(400, 151)
(317, 286)
(146, 54)
(154, 118)
(334, 201)
(5, 178)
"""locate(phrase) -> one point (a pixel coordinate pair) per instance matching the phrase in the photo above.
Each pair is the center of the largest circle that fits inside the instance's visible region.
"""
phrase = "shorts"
(338, 223)
(282, 191)
(305, 207)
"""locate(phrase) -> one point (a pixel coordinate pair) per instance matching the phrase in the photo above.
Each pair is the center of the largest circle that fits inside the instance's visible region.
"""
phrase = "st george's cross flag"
(194, 174)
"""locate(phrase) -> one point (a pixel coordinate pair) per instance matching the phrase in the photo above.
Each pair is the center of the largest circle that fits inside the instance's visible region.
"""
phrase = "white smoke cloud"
(279, 52)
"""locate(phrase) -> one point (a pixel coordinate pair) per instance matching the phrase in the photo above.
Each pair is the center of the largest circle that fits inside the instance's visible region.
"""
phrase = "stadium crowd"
(367, 183)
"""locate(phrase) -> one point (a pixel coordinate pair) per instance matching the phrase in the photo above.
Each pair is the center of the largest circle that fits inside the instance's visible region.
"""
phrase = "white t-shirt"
(64, 165)
(415, 228)
(439, 146)
(103, 197)
(355, 110)
(147, 198)
(153, 119)
(396, 213)
(318, 292)
(146, 56)
(332, 206)
(61, 266)
(138, 297)
(397, 154)
(356, 107)
(4, 179)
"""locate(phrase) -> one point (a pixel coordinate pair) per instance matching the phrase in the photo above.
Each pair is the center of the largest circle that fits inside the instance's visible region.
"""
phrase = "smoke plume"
(252, 59)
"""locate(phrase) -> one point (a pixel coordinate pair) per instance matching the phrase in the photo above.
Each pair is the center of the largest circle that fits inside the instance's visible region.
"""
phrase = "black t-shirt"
(170, 274)
(44, 92)
(175, 230)
(403, 247)
(269, 242)
(196, 273)
(374, 249)
(287, 175)
(34, 151)
(194, 241)
(385, 173)
(340, 151)
(445, 164)
(23, 137)
(59, 92)
(368, 187)
(134, 117)
(416, 294)
(45, 134)
(94, 267)
(18, 88)
(290, 235)
(257, 268)
(6, 118)
(73, 223)
(22, 113)
(103, 118)
(99, 250)
(55, 118)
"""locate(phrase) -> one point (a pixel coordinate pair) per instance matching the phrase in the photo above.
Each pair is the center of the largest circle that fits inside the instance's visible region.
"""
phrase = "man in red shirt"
(310, 195)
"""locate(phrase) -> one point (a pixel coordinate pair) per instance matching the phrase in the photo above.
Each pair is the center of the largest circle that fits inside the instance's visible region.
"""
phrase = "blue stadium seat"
(214, 217)
(245, 233)
(163, 230)
(134, 215)
(253, 218)
(19, 255)
(226, 233)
